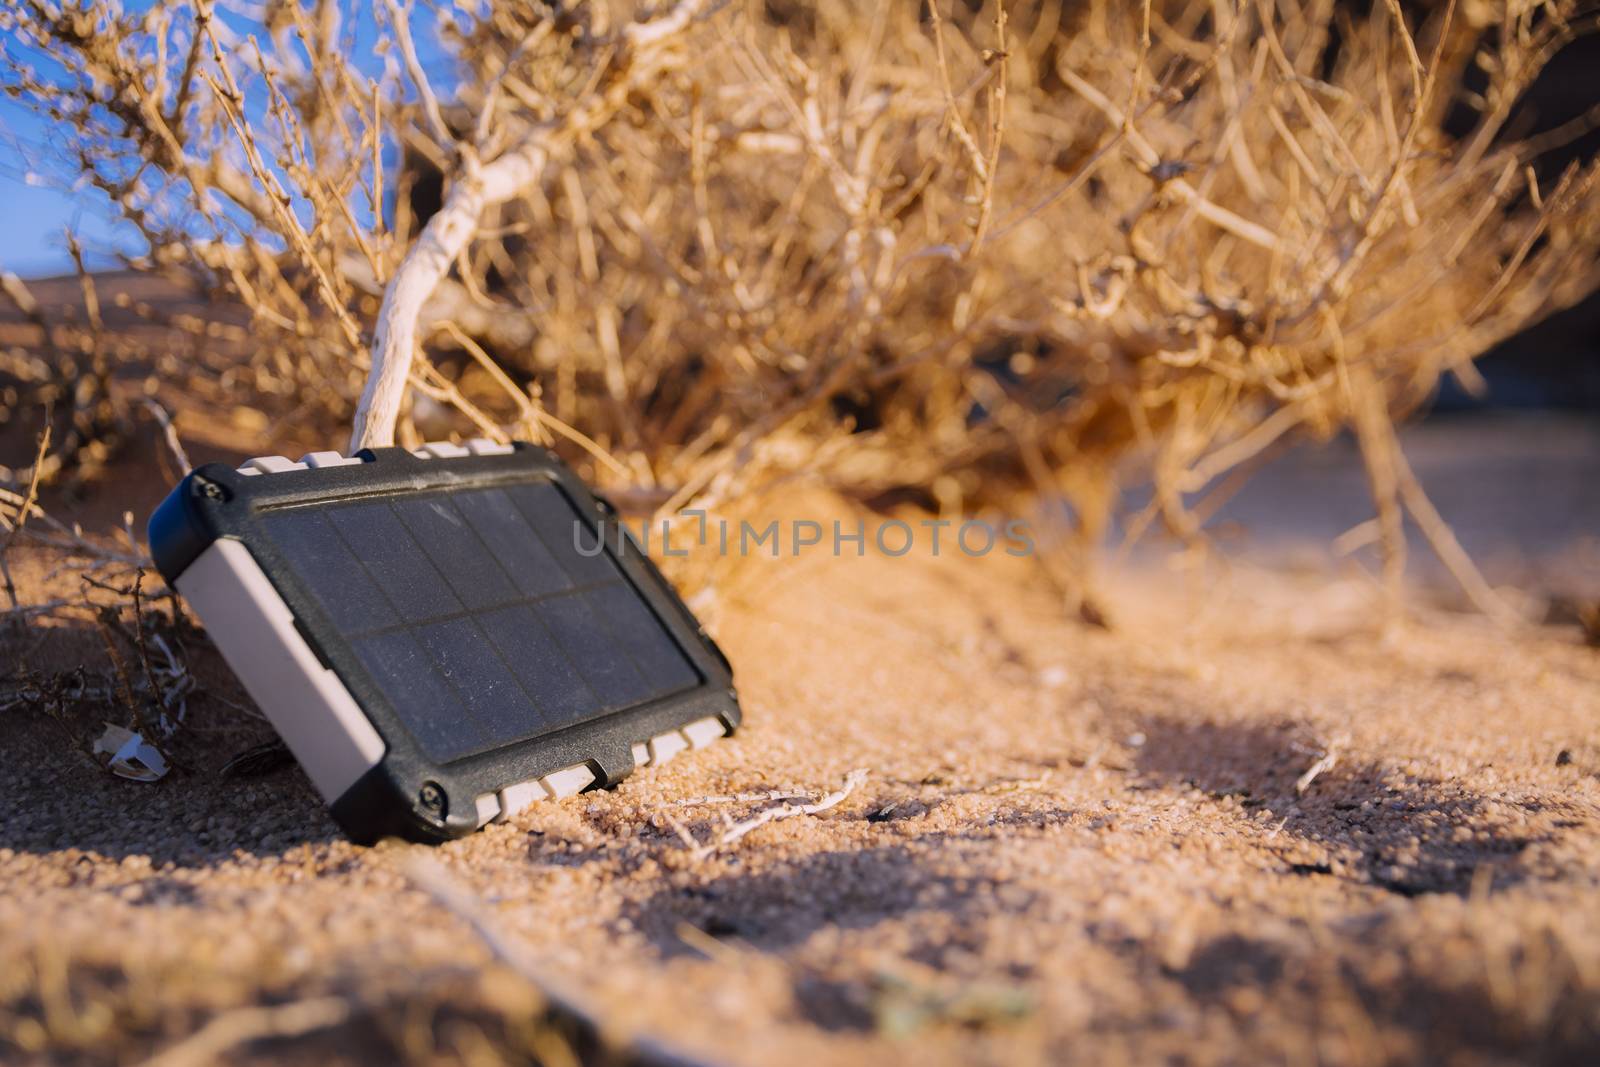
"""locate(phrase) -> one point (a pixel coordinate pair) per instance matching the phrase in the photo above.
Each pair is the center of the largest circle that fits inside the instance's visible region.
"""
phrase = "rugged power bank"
(441, 636)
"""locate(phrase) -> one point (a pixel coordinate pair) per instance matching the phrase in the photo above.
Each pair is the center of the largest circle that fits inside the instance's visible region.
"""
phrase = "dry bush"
(975, 252)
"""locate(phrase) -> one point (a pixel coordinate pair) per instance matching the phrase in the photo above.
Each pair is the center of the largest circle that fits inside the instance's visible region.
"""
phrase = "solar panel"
(442, 635)
(484, 602)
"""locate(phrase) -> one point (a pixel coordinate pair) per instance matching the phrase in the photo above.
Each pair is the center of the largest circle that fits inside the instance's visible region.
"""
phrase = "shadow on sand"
(1407, 835)
(60, 798)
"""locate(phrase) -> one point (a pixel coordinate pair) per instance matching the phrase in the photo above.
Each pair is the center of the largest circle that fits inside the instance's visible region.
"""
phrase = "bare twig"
(741, 798)
(958, 125)
(997, 128)
(169, 433)
(24, 509)
(1324, 764)
(400, 19)
(734, 831)
(1443, 541)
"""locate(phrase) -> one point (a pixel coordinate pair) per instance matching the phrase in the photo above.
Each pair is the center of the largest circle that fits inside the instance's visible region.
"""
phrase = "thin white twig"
(170, 432)
(400, 18)
(735, 831)
(1329, 759)
(740, 798)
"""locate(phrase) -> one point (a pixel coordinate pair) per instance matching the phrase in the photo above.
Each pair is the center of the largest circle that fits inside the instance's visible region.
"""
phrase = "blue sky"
(36, 209)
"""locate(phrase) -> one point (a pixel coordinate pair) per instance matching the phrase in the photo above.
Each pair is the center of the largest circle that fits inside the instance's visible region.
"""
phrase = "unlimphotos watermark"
(779, 538)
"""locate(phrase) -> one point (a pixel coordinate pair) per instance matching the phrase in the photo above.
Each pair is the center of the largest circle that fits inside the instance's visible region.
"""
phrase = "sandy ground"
(1071, 845)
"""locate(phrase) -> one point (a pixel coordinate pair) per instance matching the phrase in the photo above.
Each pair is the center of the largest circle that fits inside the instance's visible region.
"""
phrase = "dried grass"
(973, 252)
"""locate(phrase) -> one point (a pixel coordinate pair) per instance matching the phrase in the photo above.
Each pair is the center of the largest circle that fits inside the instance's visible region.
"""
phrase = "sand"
(1071, 845)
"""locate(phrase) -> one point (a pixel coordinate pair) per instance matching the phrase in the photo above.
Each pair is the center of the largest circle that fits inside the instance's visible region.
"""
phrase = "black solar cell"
(478, 614)
(400, 665)
(505, 535)
(476, 576)
(536, 658)
(382, 547)
(345, 590)
(588, 643)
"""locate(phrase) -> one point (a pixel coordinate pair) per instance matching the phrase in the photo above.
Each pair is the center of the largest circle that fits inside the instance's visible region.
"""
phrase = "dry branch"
(477, 187)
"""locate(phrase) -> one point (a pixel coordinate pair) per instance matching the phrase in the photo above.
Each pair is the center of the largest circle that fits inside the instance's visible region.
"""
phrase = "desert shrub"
(963, 250)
